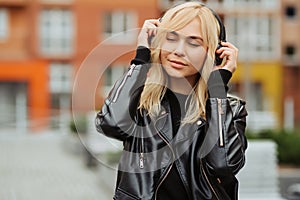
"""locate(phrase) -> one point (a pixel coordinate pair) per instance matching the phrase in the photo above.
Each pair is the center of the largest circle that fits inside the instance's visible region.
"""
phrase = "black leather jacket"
(207, 154)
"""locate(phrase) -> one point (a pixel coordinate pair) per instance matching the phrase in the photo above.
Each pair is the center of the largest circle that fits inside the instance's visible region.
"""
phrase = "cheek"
(168, 46)
(163, 56)
(197, 59)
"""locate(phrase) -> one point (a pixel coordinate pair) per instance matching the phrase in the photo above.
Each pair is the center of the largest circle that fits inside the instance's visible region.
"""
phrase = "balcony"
(13, 3)
(56, 2)
(231, 6)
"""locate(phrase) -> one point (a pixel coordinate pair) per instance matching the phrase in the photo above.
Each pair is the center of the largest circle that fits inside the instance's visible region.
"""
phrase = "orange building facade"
(23, 75)
(34, 75)
(46, 44)
(62, 56)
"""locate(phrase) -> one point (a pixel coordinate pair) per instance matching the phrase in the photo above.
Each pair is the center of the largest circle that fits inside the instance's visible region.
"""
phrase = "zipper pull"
(220, 113)
(130, 71)
(141, 160)
(220, 107)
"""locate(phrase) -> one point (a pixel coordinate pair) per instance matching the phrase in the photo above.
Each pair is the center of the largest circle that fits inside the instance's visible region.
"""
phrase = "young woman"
(183, 136)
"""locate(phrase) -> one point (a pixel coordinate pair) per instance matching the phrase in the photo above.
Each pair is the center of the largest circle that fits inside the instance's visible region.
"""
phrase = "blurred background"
(43, 44)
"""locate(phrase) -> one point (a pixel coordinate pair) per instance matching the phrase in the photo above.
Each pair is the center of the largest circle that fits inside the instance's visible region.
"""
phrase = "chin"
(174, 73)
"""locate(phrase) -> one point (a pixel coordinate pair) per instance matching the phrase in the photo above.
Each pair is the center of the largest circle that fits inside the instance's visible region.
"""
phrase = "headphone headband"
(222, 35)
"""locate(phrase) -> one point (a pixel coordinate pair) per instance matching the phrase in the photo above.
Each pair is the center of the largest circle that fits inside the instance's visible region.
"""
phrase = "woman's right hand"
(148, 31)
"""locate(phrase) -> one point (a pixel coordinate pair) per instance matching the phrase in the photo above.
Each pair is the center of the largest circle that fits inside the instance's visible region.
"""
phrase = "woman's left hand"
(229, 51)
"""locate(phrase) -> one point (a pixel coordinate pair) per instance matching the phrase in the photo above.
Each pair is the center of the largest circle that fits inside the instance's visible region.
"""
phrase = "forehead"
(191, 29)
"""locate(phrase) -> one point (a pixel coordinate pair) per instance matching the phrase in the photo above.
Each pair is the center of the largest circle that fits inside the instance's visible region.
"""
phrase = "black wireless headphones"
(222, 35)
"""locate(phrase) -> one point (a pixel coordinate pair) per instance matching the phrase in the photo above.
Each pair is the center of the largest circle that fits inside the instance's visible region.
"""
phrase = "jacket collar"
(163, 124)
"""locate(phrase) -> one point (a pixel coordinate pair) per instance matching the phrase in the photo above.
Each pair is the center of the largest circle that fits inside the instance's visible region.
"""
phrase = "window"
(60, 78)
(290, 50)
(253, 91)
(172, 2)
(13, 102)
(111, 75)
(253, 3)
(57, 1)
(264, 34)
(4, 24)
(56, 32)
(118, 25)
(254, 36)
(257, 96)
(290, 54)
(290, 11)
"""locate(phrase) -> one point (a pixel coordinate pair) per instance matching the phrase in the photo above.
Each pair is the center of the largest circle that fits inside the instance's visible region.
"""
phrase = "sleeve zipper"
(142, 160)
(142, 157)
(128, 74)
(220, 113)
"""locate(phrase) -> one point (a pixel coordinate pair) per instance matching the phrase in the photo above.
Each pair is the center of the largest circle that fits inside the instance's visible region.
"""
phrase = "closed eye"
(172, 36)
(195, 41)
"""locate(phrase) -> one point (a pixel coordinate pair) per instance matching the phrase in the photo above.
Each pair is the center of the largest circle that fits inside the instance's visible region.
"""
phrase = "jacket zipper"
(129, 73)
(171, 165)
(141, 162)
(209, 183)
(220, 113)
(164, 178)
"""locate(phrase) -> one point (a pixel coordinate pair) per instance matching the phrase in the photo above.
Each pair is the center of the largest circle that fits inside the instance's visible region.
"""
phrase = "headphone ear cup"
(218, 60)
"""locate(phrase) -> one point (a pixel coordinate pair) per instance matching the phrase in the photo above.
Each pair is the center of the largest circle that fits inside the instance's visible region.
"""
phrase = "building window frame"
(290, 54)
(57, 32)
(4, 24)
(118, 26)
(291, 11)
(61, 77)
(290, 50)
(111, 75)
(252, 3)
(253, 35)
(57, 1)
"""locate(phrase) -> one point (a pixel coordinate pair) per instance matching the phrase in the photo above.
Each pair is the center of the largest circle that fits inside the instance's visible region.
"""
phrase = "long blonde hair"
(155, 87)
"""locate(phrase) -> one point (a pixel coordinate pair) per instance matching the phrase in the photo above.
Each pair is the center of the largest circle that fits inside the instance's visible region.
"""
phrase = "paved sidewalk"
(37, 167)
(289, 177)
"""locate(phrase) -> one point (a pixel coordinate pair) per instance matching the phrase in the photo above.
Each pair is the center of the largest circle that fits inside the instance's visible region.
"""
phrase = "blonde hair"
(155, 87)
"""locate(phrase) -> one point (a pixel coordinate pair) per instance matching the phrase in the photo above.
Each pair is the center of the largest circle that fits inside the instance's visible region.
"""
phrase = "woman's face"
(183, 53)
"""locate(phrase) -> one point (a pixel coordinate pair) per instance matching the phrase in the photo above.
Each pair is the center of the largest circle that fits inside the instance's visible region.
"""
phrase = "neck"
(182, 85)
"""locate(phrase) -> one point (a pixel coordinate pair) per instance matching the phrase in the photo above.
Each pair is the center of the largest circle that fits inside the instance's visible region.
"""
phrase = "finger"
(228, 44)
(227, 49)
(152, 32)
(152, 22)
(216, 67)
(156, 22)
(223, 48)
(227, 52)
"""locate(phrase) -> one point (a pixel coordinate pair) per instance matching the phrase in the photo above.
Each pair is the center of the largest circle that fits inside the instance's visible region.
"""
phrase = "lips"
(177, 63)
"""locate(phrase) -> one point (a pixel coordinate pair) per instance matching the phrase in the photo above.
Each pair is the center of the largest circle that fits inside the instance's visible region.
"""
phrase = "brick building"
(291, 62)
(61, 55)
(42, 46)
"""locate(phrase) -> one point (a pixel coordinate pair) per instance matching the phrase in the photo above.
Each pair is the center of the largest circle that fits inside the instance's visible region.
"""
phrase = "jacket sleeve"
(117, 116)
(226, 124)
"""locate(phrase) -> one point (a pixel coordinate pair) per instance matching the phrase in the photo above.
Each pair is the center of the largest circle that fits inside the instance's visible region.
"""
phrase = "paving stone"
(37, 167)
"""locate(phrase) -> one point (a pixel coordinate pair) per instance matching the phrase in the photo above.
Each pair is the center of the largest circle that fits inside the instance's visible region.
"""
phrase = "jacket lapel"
(163, 122)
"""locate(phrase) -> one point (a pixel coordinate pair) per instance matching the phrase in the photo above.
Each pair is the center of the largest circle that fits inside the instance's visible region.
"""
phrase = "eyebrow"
(174, 32)
(193, 37)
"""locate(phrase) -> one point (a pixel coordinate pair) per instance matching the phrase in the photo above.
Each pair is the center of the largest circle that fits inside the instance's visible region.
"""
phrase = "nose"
(179, 50)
